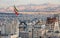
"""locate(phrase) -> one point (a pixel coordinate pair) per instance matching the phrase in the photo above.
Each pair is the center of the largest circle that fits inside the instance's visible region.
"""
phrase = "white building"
(56, 26)
(10, 28)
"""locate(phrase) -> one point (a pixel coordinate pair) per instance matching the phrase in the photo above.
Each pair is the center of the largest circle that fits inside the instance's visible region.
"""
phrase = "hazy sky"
(6, 3)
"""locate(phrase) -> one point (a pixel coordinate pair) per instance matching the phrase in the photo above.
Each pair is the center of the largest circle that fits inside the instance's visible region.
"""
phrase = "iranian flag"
(16, 10)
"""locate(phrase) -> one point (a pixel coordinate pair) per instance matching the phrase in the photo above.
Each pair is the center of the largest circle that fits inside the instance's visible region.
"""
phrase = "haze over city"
(7, 3)
(30, 5)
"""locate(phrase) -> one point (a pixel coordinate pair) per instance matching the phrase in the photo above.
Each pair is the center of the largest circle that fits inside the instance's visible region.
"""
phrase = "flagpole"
(16, 18)
(17, 25)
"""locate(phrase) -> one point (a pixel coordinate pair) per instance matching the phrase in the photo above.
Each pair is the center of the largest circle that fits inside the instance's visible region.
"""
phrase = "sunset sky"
(7, 3)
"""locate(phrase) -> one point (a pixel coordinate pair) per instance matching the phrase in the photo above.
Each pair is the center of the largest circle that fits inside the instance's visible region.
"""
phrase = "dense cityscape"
(29, 26)
(29, 18)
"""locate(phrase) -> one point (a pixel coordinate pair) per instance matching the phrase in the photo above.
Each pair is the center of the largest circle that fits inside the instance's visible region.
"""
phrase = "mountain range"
(34, 8)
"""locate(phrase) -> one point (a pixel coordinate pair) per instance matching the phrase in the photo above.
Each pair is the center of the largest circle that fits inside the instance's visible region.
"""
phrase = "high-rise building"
(10, 27)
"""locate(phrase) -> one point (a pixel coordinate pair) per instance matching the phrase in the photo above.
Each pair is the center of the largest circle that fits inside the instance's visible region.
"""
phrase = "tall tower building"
(56, 24)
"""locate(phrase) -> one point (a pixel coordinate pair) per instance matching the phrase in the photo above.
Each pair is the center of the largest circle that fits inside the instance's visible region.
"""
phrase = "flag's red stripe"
(15, 12)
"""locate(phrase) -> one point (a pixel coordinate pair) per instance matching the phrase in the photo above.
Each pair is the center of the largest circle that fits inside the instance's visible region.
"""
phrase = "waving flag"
(15, 10)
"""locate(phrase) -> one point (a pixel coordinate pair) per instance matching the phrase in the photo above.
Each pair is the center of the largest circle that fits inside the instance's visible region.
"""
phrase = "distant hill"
(34, 8)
